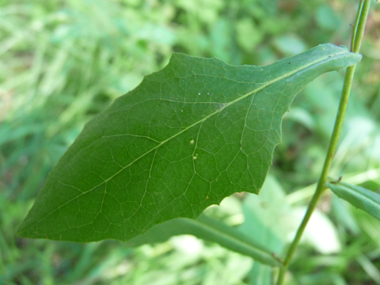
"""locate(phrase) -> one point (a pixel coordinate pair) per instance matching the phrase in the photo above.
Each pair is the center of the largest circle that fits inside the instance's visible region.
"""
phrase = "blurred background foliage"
(64, 61)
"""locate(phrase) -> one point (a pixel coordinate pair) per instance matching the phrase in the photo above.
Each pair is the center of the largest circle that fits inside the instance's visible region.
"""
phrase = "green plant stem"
(362, 22)
(359, 12)
(361, 18)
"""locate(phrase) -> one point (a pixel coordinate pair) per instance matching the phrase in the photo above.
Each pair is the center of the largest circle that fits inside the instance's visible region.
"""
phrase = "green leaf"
(188, 136)
(208, 229)
(359, 197)
(266, 216)
(266, 222)
(260, 274)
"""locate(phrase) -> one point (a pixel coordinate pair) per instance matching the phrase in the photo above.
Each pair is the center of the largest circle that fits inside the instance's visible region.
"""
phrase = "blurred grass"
(62, 62)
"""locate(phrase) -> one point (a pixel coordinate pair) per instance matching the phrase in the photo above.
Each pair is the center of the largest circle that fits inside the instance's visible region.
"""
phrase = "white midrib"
(285, 75)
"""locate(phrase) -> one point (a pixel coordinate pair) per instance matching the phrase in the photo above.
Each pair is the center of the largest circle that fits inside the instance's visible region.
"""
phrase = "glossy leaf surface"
(188, 136)
(359, 197)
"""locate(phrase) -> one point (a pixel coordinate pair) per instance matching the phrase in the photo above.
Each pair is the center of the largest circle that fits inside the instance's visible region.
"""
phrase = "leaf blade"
(185, 138)
(209, 229)
(359, 197)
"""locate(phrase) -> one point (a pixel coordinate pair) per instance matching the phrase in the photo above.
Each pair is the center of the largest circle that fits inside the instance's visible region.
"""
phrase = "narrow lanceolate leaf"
(208, 229)
(188, 136)
(359, 197)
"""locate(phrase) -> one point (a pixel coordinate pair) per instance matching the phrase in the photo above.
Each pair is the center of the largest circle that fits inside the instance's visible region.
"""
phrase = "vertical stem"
(362, 22)
(357, 36)
(358, 14)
